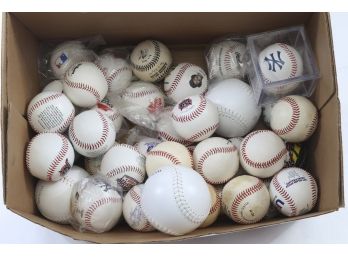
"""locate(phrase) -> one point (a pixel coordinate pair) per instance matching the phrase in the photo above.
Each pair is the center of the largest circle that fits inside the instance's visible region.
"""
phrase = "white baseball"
(238, 111)
(123, 165)
(216, 160)
(224, 60)
(215, 207)
(262, 153)
(293, 191)
(165, 128)
(146, 144)
(53, 198)
(95, 205)
(195, 118)
(50, 112)
(151, 60)
(245, 199)
(144, 95)
(280, 62)
(117, 71)
(132, 212)
(167, 153)
(54, 86)
(185, 80)
(65, 55)
(272, 210)
(111, 112)
(176, 200)
(49, 156)
(85, 84)
(92, 133)
(294, 118)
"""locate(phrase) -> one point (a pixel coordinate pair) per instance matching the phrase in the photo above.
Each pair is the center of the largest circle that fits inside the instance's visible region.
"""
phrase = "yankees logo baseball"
(151, 60)
(293, 191)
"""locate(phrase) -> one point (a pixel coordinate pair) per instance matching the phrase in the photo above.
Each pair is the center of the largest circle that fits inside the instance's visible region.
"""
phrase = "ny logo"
(272, 62)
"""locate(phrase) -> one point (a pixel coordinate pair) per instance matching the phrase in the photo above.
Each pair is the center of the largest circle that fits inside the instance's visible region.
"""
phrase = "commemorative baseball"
(145, 139)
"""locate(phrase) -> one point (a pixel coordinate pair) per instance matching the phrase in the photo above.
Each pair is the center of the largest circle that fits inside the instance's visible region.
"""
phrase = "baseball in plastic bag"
(96, 205)
(225, 58)
(140, 103)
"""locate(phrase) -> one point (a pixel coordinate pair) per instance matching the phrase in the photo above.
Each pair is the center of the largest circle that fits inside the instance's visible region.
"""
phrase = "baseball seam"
(114, 75)
(238, 200)
(228, 57)
(153, 61)
(192, 115)
(165, 155)
(168, 137)
(83, 87)
(136, 198)
(285, 195)
(314, 190)
(292, 58)
(230, 114)
(205, 156)
(91, 146)
(95, 206)
(204, 132)
(312, 126)
(216, 205)
(139, 94)
(125, 169)
(259, 165)
(295, 116)
(177, 79)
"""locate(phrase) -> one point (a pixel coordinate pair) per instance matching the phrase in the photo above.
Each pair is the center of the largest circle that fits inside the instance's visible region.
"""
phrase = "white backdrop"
(331, 228)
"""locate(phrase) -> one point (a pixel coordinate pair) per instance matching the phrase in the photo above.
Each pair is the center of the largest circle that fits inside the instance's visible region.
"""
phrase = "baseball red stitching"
(216, 205)
(177, 78)
(102, 69)
(139, 94)
(95, 206)
(204, 132)
(124, 169)
(91, 146)
(115, 73)
(59, 158)
(260, 165)
(295, 116)
(166, 155)
(314, 190)
(292, 58)
(168, 137)
(67, 122)
(227, 59)
(194, 114)
(210, 152)
(285, 195)
(240, 197)
(83, 86)
(136, 198)
(312, 126)
(40, 103)
(129, 147)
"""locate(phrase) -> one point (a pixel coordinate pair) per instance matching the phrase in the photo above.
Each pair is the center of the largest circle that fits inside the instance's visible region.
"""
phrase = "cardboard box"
(23, 32)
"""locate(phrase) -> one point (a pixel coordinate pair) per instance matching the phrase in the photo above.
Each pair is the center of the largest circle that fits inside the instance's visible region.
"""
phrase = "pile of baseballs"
(208, 159)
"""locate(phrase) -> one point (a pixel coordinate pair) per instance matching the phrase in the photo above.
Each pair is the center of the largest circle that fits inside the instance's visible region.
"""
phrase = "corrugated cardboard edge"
(3, 101)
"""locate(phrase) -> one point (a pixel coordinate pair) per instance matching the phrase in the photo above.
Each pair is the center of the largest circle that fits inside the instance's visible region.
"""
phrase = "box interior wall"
(187, 39)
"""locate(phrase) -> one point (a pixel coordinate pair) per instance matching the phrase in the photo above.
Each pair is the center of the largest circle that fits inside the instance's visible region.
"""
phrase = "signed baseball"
(176, 200)
(123, 165)
(145, 145)
(49, 156)
(195, 118)
(53, 198)
(185, 80)
(238, 111)
(224, 60)
(245, 199)
(167, 153)
(132, 212)
(92, 133)
(145, 95)
(165, 128)
(110, 111)
(216, 160)
(50, 112)
(151, 60)
(293, 191)
(294, 118)
(85, 84)
(215, 207)
(66, 55)
(117, 71)
(54, 86)
(95, 205)
(262, 153)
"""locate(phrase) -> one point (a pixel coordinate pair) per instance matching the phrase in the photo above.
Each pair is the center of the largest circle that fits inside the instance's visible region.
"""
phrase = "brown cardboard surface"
(187, 40)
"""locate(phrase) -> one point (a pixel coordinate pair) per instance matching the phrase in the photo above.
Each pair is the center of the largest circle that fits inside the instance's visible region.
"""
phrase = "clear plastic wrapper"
(224, 58)
(96, 205)
(280, 63)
